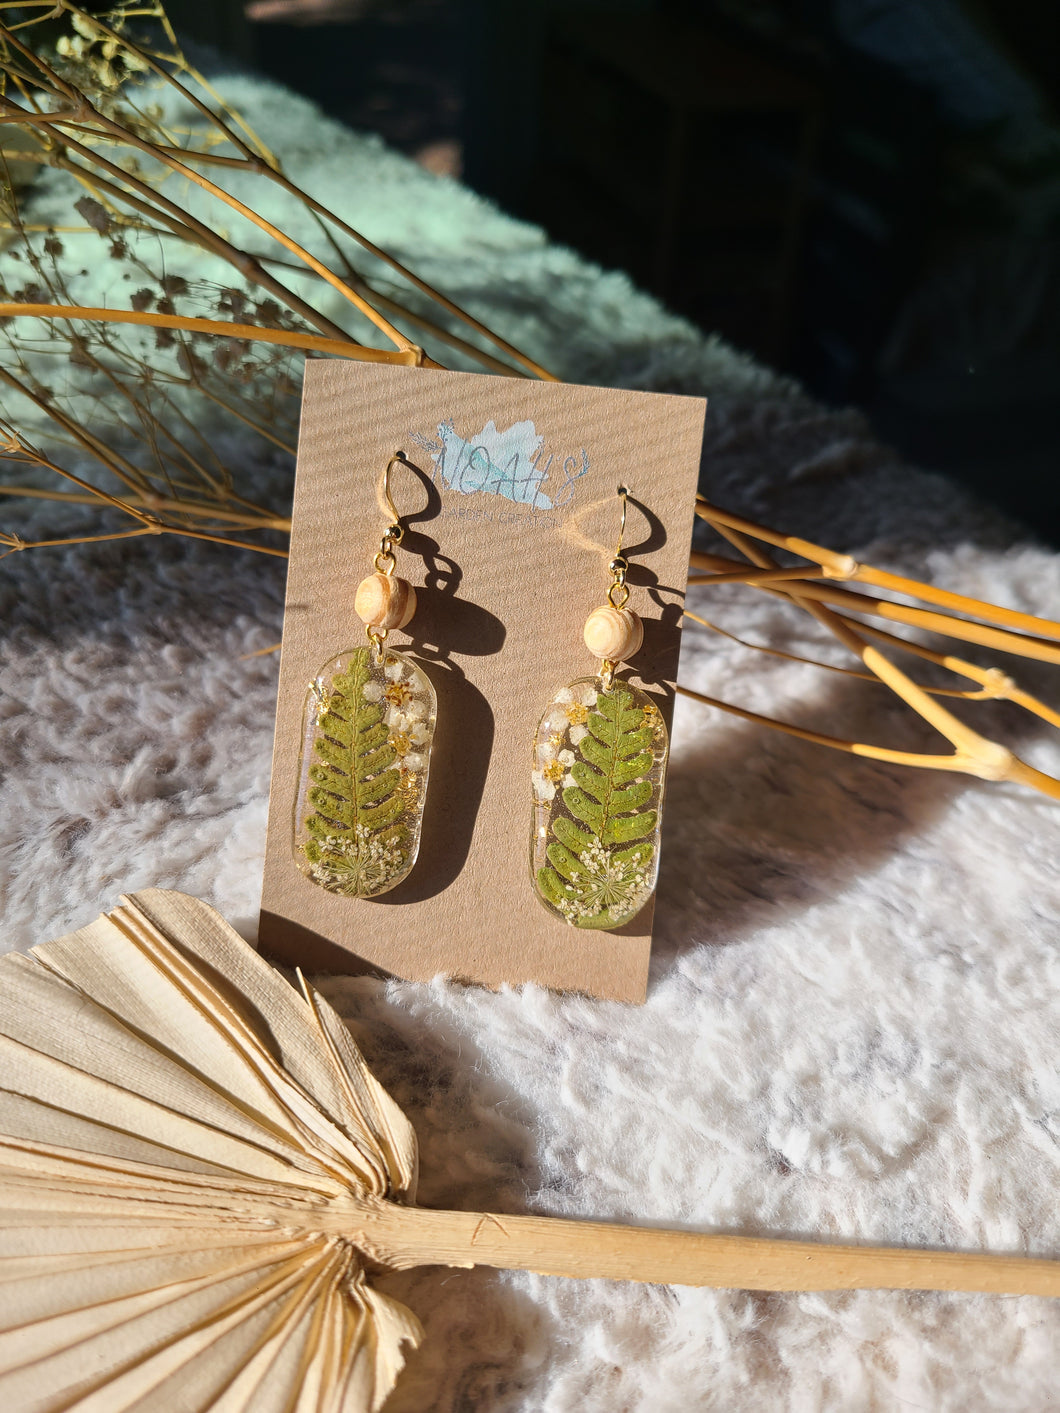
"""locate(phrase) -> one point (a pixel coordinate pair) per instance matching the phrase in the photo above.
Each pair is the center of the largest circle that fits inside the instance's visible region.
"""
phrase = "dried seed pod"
(385, 601)
(613, 634)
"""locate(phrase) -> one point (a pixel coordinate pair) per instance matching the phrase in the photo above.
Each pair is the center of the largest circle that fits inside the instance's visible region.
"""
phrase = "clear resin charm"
(599, 760)
(366, 747)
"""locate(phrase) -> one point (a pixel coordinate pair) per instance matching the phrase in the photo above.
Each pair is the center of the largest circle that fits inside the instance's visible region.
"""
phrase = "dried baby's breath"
(133, 403)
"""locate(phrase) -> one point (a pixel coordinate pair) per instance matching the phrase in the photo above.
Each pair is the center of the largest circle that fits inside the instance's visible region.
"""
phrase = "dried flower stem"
(1016, 771)
(15, 543)
(844, 566)
(246, 264)
(289, 338)
(263, 521)
(114, 463)
(1039, 644)
(972, 754)
(994, 684)
(273, 172)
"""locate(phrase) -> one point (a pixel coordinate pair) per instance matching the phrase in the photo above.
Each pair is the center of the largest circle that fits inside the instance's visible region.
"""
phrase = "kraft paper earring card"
(506, 505)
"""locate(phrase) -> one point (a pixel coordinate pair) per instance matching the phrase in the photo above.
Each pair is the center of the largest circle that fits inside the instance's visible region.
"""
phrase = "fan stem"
(413, 1236)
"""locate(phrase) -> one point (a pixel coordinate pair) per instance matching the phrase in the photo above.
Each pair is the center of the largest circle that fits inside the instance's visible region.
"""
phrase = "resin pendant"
(599, 760)
(366, 747)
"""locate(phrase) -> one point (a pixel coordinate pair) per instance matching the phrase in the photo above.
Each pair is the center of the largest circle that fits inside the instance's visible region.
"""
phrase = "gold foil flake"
(321, 697)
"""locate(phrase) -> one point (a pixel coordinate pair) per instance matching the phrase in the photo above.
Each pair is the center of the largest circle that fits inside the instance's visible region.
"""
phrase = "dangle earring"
(599, 761)
(366, 744)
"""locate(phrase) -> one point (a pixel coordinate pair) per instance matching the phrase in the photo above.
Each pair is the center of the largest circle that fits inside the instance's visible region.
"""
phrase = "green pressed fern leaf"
(356, 828)
(588, 878)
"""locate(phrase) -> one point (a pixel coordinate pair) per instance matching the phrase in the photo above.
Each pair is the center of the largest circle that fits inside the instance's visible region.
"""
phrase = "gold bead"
(613, 634)
(384, 601)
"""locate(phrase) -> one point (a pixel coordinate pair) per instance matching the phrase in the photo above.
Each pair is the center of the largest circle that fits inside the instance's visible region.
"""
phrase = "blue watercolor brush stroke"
(498, 463)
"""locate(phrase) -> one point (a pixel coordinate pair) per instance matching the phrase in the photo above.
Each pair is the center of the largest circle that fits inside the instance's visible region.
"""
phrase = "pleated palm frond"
(177, 1117)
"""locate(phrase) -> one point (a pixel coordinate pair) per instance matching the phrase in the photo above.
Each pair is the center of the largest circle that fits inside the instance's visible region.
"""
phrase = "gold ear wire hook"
(395, 532)
(385, 563)
(619, 564)
(618, 593)
(624, 493)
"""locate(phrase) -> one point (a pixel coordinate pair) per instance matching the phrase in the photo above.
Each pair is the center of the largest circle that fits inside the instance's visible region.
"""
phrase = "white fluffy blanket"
(851, 1025)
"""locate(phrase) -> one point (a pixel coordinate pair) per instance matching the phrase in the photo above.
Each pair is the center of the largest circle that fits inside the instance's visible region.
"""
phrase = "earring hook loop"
(396, 531)
(618, 593)
(623, 491)
(385, 562)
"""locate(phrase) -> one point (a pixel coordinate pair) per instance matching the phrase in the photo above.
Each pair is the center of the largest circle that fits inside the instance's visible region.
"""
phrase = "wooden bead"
(614, 634)
(384, 601)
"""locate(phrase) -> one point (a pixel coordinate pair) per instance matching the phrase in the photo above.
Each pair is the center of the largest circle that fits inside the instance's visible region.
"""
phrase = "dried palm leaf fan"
(81, 98)
(200, 1171)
